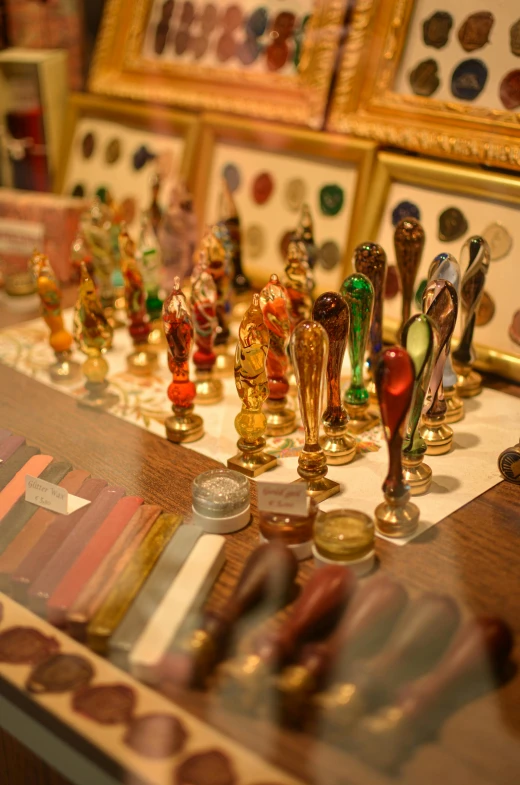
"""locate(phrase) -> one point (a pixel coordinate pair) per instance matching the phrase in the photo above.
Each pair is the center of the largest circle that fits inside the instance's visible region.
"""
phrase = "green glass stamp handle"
(359, 296)
(440, 303)
(476, 250)
(418, 338)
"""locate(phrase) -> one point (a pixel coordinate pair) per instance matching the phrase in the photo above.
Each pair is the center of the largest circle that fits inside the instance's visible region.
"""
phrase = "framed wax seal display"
(272, 172)
(119, 147)
(444, 81)
(453, 203)
(270, 60)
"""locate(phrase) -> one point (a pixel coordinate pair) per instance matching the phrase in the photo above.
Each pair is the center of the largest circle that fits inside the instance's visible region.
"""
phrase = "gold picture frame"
(121, 69)
(485, 198)
(287, 153)
(367, 104)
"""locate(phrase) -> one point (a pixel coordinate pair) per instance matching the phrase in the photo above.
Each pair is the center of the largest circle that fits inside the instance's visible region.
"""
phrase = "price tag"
(52, 497)
(290, 499)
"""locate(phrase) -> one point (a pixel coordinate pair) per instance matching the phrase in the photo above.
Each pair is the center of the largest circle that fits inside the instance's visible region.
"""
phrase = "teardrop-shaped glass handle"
(409, 240)
(418, 339)
(331, 311)
(440, 303)
(446, 268)
(359, 296)
(476, 251)
(309, 350)
(394, 380)
(370, 260)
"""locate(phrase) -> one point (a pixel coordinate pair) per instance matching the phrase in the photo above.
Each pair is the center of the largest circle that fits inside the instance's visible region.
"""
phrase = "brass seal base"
(281, 420)
(454, 404)
(98, 396)
(252, 460)
(184, 426)
(437, 435)
(142, 362)
(362, 417)
(312, 468)
(469, 384)
(225, 365)
(64, 370)
(397, 518)
(417, 474)
(209, 389)
(339, 447)
(321, 489)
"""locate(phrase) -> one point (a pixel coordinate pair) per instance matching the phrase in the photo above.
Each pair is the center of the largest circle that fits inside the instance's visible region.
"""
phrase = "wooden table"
(474, 555)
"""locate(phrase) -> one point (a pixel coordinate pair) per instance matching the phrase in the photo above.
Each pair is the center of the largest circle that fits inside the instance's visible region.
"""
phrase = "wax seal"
(255, 241)
(514, 38)
(329, 255)
(226, 47)
(436, 30)
(424, 78)
(468, 79)
(499, 240)
(78, 190)
(26, 646)
(263, 186)
(284, 25)
(452, 224)
(257, 23)
(509, 464)
(286, 238)
(88, 145)
(208, 18)
(485, 311)
(182, 41)
(277, 55)
(156, 735)
(113, 151)
(249, 50)
(405, 210)
(510, 89)
(141, 157)
(231, 175)
(295, 193)
(331, 199)
(60, 673)
(232, 18)
(206, 768)
(109, 704)
(393, 282)
(514, 328)
(474, 31)
(199, 45)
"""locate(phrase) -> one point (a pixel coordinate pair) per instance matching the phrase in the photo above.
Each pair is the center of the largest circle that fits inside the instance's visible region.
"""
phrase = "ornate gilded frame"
(295, 142)
(453, 179)
(142, 117)
(120, 69)
(364, 103)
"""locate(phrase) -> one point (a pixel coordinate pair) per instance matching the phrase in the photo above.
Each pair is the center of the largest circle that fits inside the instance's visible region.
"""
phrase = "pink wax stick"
(16, 488)
(10, 445)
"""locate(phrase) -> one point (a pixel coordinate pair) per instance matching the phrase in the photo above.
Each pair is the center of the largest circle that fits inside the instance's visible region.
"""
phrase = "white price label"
(290, 499)
(52, 497)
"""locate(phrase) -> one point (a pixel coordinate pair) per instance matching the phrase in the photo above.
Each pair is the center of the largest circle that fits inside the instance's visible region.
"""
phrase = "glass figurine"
(97, 229)
(445, 267)
(275, 306)
(143, 360)
(93, 336)
(309, 351)
(397, 516)
(409, 240)
(155, 213)
(149, 255)
(370, 260)
(253, 389)
(359, 296)
(476, 251)
(299, 283)
(440, 303)
(214, 247)
(60, 340)
(230, 218)
(177, 235)
(331, 311)
(305, 233)
(184, 425)
(204, 298)
(418, 338)
(80, 252)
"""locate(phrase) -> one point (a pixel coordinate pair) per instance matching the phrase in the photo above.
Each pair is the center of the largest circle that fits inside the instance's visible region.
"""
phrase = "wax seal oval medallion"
(156, 735)
(263, 186)
(88, 145)
(499, 240)
(107, 704)
(424, 78)
(231, 175)
(60, 673)
(485, 311)
(452, 224)
(514, 38)
(332, 199)
(468, 79)
(474, 31)
(206, 768)
(510, 89)
(257, 22)
(405, 210)
(26, 646)
(436, 29)
(393, 282)
(514, 328)
(295, 192)
(329, 255)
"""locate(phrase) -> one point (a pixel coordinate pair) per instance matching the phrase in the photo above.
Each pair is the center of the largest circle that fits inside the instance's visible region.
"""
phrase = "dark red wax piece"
(60, 673)
(206, 768)
(26, 646)
(109, 704)
(156, 735)
(262, 187)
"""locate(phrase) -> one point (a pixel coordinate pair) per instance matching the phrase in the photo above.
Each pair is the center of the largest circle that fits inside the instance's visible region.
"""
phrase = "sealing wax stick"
(23, 511)
(82, 569)
(365, 624)
(4, 435)
(322, 599)
(123, 593)
(17, 461)
(418, 639)
(478, 651)
(36, 527)
(10, 445)
(16, 487)
(50, 542)
(92, 597)
(155, 588)
(184, 597)
(268, 576)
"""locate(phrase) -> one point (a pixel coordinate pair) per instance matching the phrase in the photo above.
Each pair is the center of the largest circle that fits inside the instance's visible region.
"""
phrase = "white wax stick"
(187, 592)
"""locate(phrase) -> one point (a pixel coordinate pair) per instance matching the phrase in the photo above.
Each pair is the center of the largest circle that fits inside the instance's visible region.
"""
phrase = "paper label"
(51, 497)
(290, 499)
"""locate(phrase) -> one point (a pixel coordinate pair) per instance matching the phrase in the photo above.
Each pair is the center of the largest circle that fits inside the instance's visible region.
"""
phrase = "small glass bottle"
(295, 531)
(344, 537)
(221, 501)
